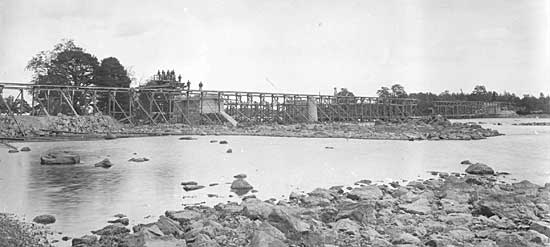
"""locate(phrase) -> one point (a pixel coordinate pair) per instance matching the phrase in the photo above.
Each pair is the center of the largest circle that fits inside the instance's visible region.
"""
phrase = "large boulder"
(290, 225)
(123, 221)
(507, 205)
(541, 227)
(256, 209)
(164, 241)
(241, 187)
(169, 227)
(347, 226)
(111, 230)
(364, 213)
(44, 219)
(192, 187)
(85, 241)
(404, 238)
(370, 192)
(420, 206)
(264, 239)
(322, 193)
(480, 169)
(60, 158)
(183, 216)
(106, 163)
(241, 184)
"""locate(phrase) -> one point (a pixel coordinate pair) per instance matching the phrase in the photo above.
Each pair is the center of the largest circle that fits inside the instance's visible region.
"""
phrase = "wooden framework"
(469, 109)
(195, 107)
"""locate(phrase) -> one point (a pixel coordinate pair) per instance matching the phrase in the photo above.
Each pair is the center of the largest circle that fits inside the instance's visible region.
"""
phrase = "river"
(84, 197)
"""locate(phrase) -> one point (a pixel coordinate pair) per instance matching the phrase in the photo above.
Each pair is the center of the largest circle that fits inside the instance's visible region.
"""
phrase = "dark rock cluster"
(448, 210)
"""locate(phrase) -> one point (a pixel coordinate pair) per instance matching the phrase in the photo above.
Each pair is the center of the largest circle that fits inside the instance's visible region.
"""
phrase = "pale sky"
(300, 46)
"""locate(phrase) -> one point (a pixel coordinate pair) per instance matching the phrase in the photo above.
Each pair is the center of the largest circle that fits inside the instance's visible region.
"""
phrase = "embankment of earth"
(458, 209)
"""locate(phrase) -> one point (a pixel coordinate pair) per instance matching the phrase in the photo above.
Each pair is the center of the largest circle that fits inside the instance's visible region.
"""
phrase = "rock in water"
(465, 162)
(229, 151)
(60, 158)
(223, 142)
(13, 151)
(241, 184)
(106, 163)
(187, 138)
(25, 149)
(189, 183)
(44, 219)
(480, 169)
(123, 221)
(119, 215)
(110, 136)
(240, 176)
(138, 159)
(192, 187)
(111, 230)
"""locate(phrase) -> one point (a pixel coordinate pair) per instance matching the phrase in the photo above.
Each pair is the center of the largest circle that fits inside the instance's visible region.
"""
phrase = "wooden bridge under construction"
(143, 105)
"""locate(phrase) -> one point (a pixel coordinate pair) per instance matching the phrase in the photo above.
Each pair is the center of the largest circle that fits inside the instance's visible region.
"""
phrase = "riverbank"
(476, 208)
(98, 127)
(14, 232)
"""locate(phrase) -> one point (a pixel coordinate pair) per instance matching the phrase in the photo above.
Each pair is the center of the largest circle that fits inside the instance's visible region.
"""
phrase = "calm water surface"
(83, 197)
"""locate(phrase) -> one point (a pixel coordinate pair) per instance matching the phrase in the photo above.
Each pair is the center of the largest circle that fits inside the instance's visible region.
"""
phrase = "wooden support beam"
(69, 101)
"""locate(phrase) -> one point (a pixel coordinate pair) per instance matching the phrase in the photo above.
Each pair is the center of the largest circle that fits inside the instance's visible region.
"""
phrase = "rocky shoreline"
(434, 128)
(94, 127)
(475, 208)
(15, 232)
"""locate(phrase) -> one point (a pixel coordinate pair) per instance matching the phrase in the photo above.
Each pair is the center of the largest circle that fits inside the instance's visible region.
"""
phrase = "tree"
(345, 93)
(479, 90)
(111, 74)
(345, 96)
(398, 91)
(383, 92)
(65, 64)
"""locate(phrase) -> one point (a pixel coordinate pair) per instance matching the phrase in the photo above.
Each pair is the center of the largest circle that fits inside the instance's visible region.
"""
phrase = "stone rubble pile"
(56, 125)
(448, 210)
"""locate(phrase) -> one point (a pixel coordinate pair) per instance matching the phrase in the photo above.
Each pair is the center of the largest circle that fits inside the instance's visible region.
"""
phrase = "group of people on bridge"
(167, 76)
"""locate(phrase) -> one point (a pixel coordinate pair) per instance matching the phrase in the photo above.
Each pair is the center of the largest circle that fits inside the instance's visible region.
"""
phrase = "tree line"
(522, 105)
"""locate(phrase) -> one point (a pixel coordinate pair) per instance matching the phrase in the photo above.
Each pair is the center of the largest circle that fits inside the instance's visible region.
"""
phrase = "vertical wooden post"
(131, 104)
(48, 101)
(32, 104)
(187, 107)
(109, 103)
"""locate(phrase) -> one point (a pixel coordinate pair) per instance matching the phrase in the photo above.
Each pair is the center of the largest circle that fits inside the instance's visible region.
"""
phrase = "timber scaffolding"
(471, 109)
(143, 105)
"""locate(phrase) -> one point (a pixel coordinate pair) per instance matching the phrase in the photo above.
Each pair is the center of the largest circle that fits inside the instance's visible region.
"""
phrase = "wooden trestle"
(170, 105)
